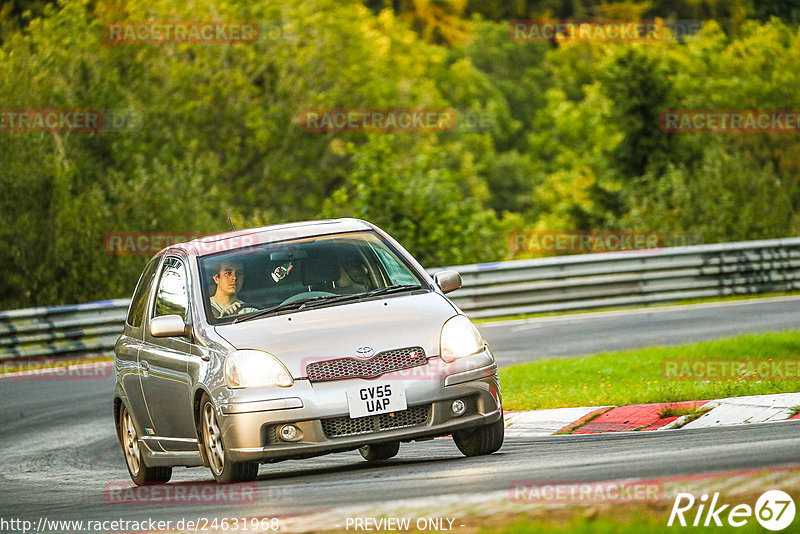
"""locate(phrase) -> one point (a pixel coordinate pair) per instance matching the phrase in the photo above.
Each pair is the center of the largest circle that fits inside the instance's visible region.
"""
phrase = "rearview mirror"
(169, 326)
(447, 280)
(288, 255)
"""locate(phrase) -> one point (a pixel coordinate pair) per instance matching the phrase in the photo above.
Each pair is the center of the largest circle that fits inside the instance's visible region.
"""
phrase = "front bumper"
(320, 411)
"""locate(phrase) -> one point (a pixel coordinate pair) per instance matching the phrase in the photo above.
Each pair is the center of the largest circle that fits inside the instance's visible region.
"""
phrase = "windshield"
(303, 273)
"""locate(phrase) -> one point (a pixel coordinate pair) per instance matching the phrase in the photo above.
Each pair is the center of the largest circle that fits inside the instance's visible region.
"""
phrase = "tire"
(224, 470)
(485, 439)
(380, 451)
(131, 448)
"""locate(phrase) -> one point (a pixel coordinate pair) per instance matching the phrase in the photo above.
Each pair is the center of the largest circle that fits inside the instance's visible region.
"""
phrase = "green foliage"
(219, 129)
(549, 136)
(638, 88)
(429, 199)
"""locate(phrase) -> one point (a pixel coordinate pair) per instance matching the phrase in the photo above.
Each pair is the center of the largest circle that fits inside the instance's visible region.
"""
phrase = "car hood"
(337, 331)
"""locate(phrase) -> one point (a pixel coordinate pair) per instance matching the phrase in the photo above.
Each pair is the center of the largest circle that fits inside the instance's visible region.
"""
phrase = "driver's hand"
(231, 309)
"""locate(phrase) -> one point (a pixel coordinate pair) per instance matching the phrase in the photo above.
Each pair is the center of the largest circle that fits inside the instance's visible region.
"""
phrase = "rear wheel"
(129, 439)
(380, 451)
(485, 439)
(223, 469)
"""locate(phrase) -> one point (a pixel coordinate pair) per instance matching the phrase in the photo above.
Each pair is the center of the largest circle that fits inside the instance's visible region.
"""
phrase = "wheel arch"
(117, 410)
(196, 412)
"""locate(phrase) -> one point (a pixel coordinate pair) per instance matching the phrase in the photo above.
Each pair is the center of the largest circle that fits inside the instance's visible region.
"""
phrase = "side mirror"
(447, 280)
(169, 326)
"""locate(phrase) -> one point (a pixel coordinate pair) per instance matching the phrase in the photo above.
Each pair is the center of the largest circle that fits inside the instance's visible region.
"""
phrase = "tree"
(431, 205)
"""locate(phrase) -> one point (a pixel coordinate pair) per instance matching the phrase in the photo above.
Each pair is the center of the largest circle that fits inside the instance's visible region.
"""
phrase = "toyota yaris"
(291, 341)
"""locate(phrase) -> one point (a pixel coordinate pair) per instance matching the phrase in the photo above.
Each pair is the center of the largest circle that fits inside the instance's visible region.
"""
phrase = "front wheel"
(223, 469)
(485, 439)
(380, 451)
(129, 439)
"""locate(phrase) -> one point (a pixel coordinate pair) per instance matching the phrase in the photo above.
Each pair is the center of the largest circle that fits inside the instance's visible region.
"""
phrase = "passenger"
(229, 279)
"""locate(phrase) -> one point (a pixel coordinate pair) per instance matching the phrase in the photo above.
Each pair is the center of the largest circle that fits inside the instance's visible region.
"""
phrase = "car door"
(130, 343)
(164, 362)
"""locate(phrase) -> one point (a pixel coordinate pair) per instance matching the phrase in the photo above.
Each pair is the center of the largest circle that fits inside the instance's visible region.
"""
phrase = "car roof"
(212, 244)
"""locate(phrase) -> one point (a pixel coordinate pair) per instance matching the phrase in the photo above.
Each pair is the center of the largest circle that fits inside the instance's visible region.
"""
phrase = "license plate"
(375, 399)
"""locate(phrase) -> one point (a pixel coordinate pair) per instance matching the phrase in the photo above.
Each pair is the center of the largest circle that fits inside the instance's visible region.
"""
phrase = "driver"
(229, 279)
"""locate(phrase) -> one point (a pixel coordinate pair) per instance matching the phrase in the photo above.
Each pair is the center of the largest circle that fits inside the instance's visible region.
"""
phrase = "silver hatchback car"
(292, 341)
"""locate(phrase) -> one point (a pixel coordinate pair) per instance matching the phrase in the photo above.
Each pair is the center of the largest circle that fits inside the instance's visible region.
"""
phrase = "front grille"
(344, 426)
(382, 363)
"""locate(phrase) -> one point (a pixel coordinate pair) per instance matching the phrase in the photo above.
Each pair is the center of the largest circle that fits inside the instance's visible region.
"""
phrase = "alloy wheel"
(131, 444)
(213, 439)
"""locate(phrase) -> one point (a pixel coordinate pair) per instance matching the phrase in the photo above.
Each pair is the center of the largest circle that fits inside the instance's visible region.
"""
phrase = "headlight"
(459, 338)
(255, 368)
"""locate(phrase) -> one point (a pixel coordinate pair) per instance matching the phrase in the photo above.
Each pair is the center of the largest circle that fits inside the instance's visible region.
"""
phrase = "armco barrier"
(75, 331)
(634, 278)
(564, 283)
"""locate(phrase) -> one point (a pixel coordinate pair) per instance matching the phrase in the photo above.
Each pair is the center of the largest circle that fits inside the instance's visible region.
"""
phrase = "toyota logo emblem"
(365, 352)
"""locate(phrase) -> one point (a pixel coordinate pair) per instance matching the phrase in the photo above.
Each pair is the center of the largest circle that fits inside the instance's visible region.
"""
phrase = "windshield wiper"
(330, 299)
(326, 299)
(391, 289)
(297, 305)
(261, 313)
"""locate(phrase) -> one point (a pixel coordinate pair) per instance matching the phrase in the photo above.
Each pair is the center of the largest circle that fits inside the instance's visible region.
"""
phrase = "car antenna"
(229, 221)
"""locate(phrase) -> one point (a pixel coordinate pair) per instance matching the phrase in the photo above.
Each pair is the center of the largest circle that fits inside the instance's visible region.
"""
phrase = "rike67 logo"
(774, 510)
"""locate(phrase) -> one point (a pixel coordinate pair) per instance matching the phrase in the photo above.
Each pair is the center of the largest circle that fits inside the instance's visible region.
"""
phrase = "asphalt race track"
(59, 450)
(582, 334)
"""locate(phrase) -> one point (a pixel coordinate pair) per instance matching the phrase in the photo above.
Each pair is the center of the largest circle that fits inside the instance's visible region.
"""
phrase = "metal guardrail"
(564, 283)
(74, 331)
(633, 278)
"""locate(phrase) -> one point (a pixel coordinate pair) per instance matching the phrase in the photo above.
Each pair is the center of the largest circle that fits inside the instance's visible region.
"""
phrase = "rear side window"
(139, 300)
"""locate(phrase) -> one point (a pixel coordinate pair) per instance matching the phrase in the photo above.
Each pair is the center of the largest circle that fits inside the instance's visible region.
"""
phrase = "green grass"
(636, 521)
(636, 517)
(635, 376)
(658, 305)
(588, 419)
(584, 525)
(689, 414)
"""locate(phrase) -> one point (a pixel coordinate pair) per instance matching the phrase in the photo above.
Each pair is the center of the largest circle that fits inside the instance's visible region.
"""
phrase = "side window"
(139, 299)
(398, 273)
(172, 296)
